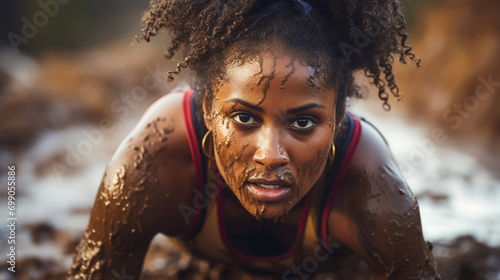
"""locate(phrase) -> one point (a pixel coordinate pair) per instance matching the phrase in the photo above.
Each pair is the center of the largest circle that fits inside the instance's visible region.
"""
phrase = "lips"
(269, 191)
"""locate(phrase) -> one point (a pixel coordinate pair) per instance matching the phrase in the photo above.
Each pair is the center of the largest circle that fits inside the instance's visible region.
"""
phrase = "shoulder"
(160, 135)
(374, 183)
(164, 121)
(373, 169)
(372, 187)
(377, 216)
(155, 166)
(374, 173)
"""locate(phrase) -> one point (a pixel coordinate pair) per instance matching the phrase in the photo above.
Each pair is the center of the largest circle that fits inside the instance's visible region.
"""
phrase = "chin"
(268, 211)
(273, 216)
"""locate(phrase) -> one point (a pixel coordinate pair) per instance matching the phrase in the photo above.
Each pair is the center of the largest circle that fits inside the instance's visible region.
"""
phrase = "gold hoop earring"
(332, 158)
(203, 145)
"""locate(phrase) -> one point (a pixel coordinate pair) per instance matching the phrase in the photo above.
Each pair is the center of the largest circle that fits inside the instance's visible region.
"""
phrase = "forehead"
(269, 75)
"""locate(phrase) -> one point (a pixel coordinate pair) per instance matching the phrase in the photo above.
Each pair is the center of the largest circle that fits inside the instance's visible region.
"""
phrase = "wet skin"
(375, 216)
(271, 141)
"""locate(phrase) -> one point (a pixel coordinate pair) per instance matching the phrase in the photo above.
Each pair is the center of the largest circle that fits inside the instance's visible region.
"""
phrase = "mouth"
(269, 191)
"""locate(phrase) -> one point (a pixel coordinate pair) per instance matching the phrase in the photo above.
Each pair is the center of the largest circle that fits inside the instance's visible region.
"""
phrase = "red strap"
(339, 177)
(195, 151)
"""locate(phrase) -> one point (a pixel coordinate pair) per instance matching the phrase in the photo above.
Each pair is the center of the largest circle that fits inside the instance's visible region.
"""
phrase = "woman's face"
(272, 131)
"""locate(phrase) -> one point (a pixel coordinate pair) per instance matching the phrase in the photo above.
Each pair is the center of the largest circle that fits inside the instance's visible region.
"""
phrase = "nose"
(270, 152)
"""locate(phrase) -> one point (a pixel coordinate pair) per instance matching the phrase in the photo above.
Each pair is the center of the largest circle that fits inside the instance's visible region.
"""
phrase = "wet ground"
(463, 258)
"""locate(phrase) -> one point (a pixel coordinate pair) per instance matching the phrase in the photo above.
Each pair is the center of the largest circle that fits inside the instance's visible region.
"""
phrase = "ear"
(207, 112)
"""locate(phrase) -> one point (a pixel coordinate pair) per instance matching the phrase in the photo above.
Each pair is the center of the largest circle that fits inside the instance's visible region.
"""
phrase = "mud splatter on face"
(267, 77)
(262, 210)
(292, 65)
(311, 81)
(235, 175)
(298, 155)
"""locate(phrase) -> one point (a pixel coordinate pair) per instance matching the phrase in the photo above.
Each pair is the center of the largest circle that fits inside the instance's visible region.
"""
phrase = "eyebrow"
(246, 104)
(290, 111)
(305, 107)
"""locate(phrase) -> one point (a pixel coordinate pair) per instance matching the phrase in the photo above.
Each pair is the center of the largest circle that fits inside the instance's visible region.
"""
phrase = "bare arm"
(377, 216)
(143, 184)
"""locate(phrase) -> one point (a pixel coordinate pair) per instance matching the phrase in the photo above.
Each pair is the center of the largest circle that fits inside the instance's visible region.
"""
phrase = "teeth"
(269, 187)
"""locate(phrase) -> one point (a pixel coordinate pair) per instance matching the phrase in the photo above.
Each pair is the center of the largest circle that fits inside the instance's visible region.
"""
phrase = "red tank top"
(208, 238)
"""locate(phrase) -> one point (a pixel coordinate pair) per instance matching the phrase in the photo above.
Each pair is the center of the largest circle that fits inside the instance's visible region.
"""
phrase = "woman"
(259, 164)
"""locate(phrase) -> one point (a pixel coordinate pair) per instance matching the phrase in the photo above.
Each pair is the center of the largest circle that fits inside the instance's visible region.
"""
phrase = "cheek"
(229, 153)
(312, 165)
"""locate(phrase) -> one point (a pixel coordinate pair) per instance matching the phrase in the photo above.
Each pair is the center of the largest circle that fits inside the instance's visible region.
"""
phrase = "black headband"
(300, 6)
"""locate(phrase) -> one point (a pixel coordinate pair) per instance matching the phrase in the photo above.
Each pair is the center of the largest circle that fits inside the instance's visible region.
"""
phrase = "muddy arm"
(115, 241)
(138, 197)
(389, 236)
(377, 216)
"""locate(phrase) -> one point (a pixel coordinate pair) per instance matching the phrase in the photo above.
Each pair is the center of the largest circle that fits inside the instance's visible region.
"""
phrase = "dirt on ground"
(463, 259)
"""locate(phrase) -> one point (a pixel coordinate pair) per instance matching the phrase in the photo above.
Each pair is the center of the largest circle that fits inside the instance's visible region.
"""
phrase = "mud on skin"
(268, 77)
(237, 165)
(237, 177)
(311, 80)
(115, 215)
(385, 226)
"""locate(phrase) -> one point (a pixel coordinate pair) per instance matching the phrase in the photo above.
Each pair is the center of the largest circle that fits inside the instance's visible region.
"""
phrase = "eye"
(303, 123)
(244, 119)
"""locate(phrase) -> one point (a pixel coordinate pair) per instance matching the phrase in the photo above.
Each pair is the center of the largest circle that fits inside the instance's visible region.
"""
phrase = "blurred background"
(72, 87)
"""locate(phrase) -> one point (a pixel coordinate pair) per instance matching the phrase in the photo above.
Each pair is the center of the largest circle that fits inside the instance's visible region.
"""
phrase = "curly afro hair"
(365, 35)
